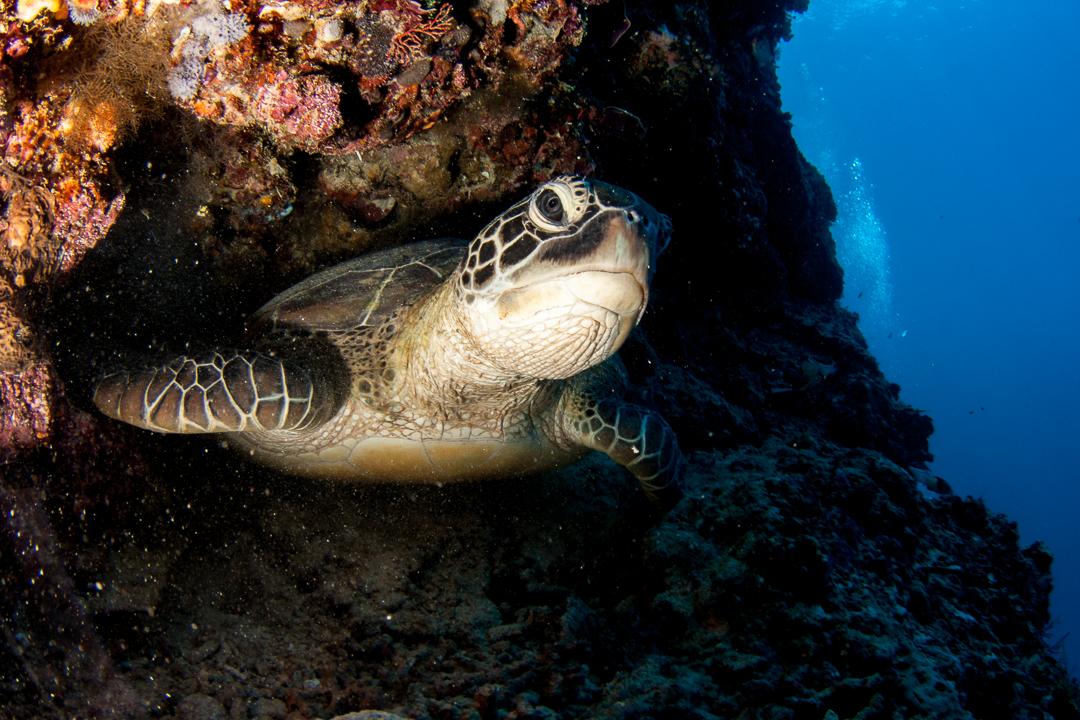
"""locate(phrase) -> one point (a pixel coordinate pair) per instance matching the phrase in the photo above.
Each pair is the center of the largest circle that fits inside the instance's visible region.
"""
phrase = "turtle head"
(555, 284)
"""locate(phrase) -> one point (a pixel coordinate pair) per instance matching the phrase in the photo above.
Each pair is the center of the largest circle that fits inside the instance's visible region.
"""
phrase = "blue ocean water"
(950, 134)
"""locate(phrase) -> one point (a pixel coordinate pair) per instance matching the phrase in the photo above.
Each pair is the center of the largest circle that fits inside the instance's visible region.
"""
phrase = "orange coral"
(94, 126)
(25, 228)
(122, 81)
(409, 44)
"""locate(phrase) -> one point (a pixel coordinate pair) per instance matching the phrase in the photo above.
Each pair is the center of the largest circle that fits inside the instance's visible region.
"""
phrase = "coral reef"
(169, 166)
(197, 41)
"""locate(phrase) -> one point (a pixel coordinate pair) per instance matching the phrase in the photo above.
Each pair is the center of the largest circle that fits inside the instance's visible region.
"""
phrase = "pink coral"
(301, 111)
(81, 221)
(25, 409)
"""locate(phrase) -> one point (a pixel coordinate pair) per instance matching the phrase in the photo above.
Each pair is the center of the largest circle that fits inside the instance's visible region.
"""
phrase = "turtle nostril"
(633, 216)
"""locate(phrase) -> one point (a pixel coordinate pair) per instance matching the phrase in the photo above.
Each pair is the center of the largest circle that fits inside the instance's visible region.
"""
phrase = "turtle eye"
(550, 206)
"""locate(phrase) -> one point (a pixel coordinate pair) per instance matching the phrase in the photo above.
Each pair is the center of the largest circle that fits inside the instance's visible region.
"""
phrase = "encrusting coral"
(205, 34)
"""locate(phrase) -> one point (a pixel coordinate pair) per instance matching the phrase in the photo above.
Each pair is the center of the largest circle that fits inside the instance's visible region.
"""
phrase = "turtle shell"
(363, 291)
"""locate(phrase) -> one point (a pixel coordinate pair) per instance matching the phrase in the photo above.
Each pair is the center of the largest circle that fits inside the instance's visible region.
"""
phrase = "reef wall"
(169, 166)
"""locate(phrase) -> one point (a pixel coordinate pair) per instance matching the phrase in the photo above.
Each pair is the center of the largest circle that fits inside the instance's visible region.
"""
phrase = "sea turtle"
(441, 360)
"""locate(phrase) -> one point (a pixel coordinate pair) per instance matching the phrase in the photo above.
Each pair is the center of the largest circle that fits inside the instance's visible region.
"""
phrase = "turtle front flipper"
(220, 391)
(642, 442)
(638, 439)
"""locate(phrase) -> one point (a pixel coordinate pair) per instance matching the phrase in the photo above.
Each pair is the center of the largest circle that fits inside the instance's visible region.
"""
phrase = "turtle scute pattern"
(220, 391)
(637, 438)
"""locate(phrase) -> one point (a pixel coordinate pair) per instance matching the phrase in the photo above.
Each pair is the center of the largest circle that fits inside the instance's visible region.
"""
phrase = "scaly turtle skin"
(441, 360)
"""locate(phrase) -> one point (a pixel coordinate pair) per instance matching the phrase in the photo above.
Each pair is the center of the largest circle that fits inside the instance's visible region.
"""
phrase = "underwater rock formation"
(170, 166)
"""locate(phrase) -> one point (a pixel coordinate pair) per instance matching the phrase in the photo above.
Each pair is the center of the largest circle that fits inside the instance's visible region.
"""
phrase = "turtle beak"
(623, 264)
(612, 277)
